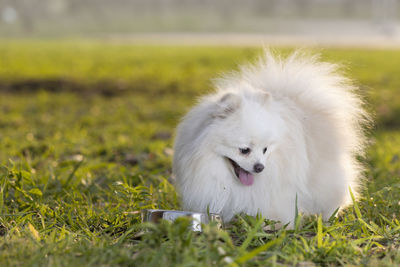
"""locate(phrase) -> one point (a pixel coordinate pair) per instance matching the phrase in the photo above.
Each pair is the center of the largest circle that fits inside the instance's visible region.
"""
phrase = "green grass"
(77, 167)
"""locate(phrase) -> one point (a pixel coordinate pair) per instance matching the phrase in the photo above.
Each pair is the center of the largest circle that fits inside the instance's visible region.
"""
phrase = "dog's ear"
(227, 105)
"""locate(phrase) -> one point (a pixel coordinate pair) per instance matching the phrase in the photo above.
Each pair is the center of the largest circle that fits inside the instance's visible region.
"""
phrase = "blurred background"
(227, 21)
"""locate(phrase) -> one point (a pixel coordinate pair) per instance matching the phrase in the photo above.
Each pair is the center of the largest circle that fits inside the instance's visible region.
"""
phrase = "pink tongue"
(245, 177)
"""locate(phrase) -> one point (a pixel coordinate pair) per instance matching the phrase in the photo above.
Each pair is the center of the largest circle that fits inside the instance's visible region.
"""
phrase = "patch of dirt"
(105, 88)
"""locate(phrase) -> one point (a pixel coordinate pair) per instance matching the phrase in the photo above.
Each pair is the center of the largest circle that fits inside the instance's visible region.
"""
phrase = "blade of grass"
(251, 235)
(249, 255)
(373, 229)
(297, 218)
(319, 231)
(34, 232)
(357, 210)
(71, 175)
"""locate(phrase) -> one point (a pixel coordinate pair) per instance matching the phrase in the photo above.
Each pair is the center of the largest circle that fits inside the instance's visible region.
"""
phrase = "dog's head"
(246, 133)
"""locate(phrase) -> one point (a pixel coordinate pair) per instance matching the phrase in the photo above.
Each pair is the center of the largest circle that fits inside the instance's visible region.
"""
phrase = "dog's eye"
(245, 151)
(265, 150)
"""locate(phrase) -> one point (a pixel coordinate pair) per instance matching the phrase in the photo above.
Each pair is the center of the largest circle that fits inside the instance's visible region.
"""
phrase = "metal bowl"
(197, 218)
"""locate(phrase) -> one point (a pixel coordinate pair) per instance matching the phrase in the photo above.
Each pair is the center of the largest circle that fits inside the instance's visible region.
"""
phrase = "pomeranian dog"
(276, 133)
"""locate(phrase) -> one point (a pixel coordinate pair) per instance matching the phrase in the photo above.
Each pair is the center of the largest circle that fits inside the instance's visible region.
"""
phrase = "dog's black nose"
(258, 167)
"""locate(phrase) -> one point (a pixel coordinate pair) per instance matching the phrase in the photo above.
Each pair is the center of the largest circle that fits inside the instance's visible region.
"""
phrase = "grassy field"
(86, 133)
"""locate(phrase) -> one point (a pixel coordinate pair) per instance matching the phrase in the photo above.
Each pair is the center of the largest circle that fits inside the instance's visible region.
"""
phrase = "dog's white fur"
(306, 114)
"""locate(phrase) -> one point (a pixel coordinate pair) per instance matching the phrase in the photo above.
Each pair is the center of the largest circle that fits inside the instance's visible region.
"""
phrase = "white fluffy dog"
(273, 131)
